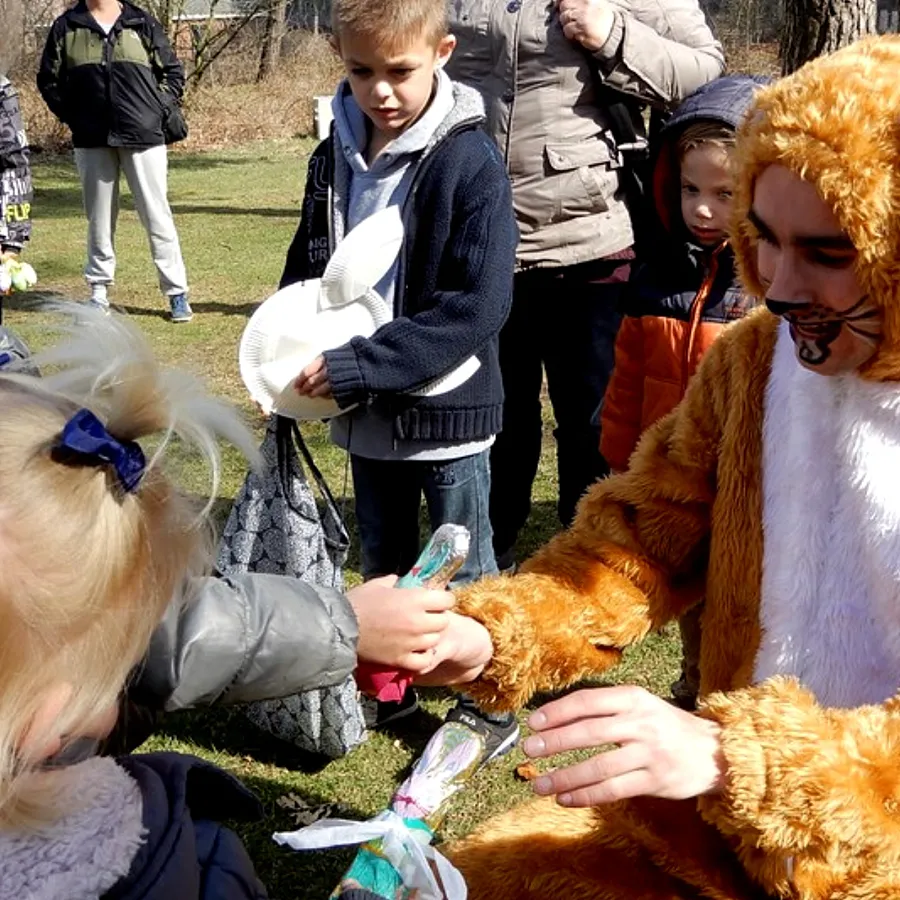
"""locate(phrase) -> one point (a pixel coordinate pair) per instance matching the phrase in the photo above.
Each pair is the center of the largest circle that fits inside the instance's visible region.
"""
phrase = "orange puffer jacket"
(681, 296)
(675, 309)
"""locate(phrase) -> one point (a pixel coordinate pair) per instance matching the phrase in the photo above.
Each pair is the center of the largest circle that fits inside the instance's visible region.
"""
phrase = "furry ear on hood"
(836, 123)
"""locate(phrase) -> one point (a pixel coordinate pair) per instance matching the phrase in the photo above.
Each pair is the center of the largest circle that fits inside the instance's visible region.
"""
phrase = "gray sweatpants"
(146, 172)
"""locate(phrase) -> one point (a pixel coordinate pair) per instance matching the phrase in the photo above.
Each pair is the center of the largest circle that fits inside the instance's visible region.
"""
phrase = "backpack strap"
(625, 115)
(290, 439)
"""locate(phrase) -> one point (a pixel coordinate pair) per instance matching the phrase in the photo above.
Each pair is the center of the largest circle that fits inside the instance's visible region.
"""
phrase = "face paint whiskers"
(815, 327)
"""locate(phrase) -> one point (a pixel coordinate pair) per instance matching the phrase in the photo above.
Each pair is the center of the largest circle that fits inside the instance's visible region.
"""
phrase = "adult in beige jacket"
(539, 65)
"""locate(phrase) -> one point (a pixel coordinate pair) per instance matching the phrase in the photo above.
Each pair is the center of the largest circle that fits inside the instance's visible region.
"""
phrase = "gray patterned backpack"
(276, 526)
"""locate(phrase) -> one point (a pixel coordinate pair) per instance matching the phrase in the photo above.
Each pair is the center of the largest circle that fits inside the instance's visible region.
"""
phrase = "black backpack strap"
(625, 115)
(317, 476)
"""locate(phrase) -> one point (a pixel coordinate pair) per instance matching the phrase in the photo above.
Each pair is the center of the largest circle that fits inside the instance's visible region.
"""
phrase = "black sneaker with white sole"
(500, 733)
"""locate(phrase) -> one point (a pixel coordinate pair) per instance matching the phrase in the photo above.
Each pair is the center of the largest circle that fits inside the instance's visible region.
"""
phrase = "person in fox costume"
(773, 490)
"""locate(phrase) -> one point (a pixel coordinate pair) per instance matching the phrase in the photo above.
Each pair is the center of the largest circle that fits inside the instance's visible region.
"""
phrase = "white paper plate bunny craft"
(299, 322)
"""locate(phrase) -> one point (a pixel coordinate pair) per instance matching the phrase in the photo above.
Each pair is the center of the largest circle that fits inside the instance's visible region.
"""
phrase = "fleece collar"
(353, 133)
(86, 852)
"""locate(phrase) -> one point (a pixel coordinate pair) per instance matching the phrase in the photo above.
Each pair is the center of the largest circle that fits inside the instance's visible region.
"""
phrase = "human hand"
(589, 22)
(662, 751)
(463, 651)
(313, 380)
(399, 628)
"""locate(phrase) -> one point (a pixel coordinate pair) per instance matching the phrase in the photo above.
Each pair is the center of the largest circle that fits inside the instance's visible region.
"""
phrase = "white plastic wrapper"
(406, 849)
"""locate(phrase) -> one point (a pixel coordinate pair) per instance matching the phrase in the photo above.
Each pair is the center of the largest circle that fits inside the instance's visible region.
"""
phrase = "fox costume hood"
(771, 491)
(836, 124)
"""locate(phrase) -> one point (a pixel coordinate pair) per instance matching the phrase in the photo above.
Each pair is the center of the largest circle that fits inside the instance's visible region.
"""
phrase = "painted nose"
(785, 307)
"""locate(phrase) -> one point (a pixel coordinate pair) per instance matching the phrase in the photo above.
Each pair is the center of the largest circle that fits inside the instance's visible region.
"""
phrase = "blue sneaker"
(181, 309)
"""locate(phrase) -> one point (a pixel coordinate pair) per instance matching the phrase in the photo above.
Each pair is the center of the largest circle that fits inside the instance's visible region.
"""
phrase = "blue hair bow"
(88, 442)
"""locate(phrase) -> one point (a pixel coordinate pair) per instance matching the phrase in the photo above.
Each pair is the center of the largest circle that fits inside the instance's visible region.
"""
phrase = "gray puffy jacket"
(248, 637)
(539, 90)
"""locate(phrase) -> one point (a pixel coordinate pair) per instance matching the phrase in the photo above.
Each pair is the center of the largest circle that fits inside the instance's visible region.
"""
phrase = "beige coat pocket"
(582, 177)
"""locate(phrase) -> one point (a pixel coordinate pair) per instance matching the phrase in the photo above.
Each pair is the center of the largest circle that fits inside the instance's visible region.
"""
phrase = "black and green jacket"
(111, 90)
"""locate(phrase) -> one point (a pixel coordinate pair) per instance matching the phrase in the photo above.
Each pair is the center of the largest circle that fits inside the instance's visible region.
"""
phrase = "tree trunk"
(273, 37)
(12, 15)
(815, 27)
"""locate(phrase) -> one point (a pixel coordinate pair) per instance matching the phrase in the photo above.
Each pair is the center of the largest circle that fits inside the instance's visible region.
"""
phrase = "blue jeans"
(388, 496)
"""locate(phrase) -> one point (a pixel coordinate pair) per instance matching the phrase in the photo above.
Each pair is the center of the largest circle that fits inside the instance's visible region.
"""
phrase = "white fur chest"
(830, 610)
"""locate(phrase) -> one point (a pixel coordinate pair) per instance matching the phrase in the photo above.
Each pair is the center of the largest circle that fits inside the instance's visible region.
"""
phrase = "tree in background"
(12, 15)
(166, 12)
(222, 22)
(746, 22)
(272, 39)
(815, 27)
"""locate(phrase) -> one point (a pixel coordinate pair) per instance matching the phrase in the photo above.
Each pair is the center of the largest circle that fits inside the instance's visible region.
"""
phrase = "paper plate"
(303, 320)
(286, 334)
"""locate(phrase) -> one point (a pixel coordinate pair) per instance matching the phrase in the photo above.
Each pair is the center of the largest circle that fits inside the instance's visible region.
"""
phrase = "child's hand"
(313, 380)
(464, 650)
(399, 628)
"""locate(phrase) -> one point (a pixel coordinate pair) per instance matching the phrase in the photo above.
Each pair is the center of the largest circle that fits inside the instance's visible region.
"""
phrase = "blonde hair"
(705, 133)
(89, 569)
(389, 24)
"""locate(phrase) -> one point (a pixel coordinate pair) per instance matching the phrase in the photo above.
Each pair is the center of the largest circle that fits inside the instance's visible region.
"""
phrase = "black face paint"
(815, 349)
(784, 307)
(815, 328)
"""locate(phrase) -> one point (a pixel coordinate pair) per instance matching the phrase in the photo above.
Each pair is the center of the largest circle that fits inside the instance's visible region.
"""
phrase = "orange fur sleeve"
(813, 794)
(634, 558)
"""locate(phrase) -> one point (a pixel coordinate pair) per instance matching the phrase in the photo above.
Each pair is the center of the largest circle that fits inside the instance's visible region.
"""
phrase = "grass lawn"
(236, 211)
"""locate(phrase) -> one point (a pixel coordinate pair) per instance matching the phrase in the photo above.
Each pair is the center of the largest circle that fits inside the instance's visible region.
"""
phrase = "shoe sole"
(180, 319)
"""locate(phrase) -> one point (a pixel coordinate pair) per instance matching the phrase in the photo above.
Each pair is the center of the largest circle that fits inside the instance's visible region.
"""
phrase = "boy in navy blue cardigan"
(406, 135)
